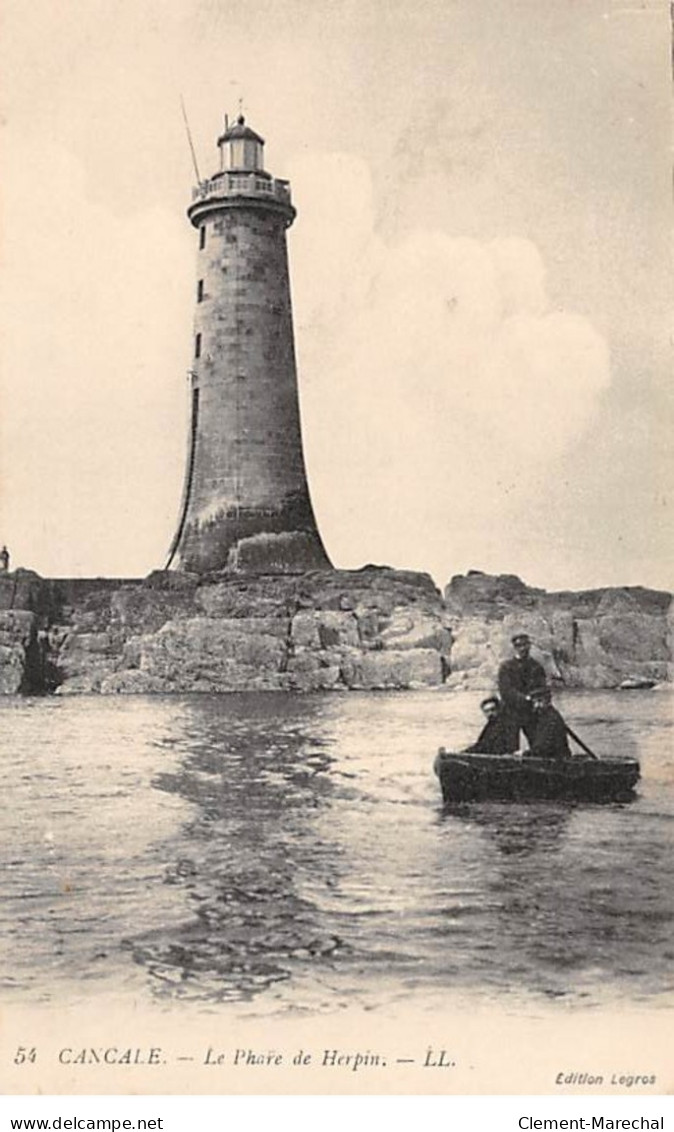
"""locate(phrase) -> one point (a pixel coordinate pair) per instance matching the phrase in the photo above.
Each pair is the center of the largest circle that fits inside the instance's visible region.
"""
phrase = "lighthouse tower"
(246, 504)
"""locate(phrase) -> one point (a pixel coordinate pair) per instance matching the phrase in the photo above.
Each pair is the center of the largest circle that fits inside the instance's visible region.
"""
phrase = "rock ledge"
(374, 628)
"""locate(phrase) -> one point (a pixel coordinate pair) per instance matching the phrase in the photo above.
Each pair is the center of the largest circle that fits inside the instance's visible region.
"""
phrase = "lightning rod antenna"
(189, 139)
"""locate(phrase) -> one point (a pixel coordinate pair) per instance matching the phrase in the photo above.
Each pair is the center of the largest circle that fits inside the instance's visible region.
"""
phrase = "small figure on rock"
(4, 560)
(517, 679)
(499, 735)
(550, 737)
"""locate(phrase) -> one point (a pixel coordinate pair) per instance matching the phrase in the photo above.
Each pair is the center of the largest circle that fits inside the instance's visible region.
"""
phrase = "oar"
(572, 735)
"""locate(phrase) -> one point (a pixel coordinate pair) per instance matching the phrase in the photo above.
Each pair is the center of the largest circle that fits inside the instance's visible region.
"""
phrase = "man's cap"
(488, 700)
(521, 638)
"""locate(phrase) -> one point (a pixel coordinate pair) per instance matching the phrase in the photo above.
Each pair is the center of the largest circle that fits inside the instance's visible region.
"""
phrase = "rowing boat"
(465, 776)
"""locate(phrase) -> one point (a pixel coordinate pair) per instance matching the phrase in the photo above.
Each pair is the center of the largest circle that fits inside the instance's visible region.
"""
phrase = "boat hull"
(467, 777)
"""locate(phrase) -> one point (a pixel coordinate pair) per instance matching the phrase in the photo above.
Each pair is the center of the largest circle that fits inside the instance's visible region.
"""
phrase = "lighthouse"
(246, 506)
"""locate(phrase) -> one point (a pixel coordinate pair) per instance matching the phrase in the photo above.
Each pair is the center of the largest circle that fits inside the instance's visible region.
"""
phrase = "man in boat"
(550, 736)
(517, 679)
(498, 736)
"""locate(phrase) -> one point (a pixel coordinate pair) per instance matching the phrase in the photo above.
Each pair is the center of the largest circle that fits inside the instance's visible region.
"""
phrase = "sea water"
(292, 852)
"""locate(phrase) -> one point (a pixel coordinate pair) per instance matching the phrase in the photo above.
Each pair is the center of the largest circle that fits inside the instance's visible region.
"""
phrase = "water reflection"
(314, 857)
(292, 850)
(256, 779)
(517, 829)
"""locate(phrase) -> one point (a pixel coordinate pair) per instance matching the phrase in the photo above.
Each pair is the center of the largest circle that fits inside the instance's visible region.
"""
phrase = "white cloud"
(438, 384)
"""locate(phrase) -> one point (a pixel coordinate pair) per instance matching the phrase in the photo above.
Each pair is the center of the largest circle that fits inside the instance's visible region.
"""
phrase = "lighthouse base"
(288, 552)
(280, 540)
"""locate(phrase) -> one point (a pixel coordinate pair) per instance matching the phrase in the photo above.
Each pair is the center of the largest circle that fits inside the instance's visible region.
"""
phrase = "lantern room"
(241, 149)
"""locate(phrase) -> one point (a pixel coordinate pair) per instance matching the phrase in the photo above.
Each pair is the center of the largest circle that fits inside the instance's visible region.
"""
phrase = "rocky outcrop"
(592, 639)
(368, 629)
(17, 650)
(365, 629)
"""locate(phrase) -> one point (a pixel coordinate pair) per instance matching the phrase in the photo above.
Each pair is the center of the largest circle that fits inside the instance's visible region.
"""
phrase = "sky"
(481, 274)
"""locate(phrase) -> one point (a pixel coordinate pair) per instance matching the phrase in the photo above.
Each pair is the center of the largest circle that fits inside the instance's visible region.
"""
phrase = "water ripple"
(293, 851)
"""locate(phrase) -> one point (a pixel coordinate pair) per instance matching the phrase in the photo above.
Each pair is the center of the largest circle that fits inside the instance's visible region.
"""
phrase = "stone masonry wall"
(248, 469)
